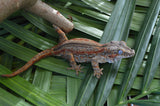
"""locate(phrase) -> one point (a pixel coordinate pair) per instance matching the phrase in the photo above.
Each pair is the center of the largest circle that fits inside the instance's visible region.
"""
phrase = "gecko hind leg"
(62, 35)
(73, 64)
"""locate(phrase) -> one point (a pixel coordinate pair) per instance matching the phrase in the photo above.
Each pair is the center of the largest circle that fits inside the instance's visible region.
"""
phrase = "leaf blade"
(28, 91)
(141, 45)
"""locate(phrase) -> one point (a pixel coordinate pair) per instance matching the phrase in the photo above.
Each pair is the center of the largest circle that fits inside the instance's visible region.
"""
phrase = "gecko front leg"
(100, 59)
(95, 64)
(73, 64)
(97, 70)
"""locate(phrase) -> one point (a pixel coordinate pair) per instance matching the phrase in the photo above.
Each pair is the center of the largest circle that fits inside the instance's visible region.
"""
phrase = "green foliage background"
(49, 83)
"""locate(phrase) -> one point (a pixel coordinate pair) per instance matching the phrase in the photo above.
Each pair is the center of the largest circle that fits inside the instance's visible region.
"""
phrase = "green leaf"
(91, 13)
(6, 60)
(42, 79)
(28, 91)
(155, 90)
(153, 100)
(86, 89)
(28, 36)
(73, 86)
(39, 22)
(89, 19)
(146, 102)
(140, 48)
(88, 29)
(58, 87)
(153, 60)
(103, 89)
(116, 29)
(143, 2)
(137, 85)
(106, 7)
(7, 99)
(113, 97)
(101, 5)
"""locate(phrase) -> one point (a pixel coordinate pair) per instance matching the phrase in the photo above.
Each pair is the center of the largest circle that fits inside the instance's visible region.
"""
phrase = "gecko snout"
(132, 53)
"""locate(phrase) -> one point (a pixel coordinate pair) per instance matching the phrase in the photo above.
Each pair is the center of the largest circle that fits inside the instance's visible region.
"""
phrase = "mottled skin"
(82, 50)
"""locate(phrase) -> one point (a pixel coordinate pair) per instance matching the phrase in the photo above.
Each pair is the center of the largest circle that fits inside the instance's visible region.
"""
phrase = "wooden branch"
(7, 7)
(55, 17)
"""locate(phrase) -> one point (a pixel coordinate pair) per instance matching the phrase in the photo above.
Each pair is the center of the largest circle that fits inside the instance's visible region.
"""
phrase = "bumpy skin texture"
(82, 50)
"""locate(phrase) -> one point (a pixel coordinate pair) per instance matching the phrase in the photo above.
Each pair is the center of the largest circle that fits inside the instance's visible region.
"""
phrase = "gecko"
(80, 50)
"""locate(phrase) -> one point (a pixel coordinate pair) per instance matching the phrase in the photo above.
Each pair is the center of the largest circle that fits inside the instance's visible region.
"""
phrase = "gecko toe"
(98, 73)
(77, 68)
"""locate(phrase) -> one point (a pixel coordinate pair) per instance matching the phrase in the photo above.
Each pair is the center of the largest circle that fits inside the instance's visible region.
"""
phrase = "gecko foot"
(98, 73)
(77, 68)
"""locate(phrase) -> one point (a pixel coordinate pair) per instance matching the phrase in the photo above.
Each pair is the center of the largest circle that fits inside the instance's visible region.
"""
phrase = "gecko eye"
(120, 52)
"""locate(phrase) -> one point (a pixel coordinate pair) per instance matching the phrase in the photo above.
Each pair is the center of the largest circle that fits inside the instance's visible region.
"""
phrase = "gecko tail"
(36, 58)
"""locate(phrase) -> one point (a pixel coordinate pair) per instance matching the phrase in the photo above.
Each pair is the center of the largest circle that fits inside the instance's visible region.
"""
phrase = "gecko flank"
(82, 50)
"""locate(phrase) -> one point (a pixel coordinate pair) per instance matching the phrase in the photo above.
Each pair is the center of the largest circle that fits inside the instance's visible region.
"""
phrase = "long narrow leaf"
(153, 60)
(6, 60)
(42, 79)
(58, 87)
(111, 74)
(155, 90)
(86, 89)
(28, 91)
(146, 102)
(8, 99)
(28, 36)
(117, 29)
(39, 22)
(137, 85)
(141, 45)
(73, 86)
(107, 7)
(101, 5)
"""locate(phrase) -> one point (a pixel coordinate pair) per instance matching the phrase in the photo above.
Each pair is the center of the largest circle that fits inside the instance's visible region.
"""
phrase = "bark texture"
(54, 16)
(7, 7)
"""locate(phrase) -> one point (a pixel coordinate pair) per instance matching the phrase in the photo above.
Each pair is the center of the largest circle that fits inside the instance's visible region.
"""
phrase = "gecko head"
(119, 49)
